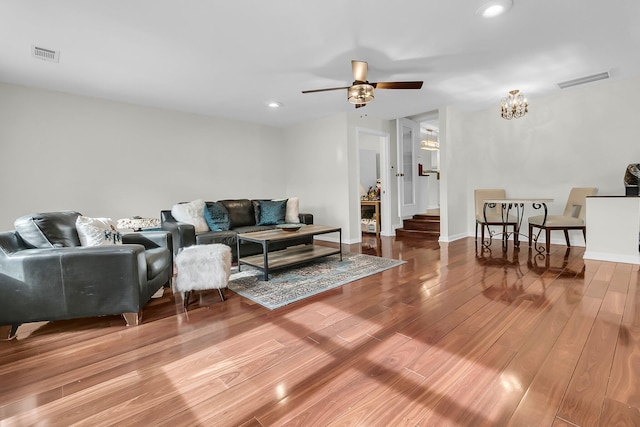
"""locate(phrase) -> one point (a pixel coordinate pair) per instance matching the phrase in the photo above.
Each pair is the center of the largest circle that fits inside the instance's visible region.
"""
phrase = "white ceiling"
(228, 59)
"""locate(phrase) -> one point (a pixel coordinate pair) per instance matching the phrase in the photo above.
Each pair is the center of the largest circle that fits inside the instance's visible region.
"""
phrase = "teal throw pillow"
(272, 212)
(217, 216)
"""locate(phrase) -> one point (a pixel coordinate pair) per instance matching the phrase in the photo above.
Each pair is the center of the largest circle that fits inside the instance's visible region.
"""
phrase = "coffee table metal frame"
(290, 256)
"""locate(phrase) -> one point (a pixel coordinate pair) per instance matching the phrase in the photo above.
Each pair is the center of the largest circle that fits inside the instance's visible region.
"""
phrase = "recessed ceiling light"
(274, 104)
(491, 8)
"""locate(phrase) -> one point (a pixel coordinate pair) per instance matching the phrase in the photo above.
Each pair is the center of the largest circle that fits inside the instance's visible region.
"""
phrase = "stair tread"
(427, 216)
(418, 233)
(422, 223)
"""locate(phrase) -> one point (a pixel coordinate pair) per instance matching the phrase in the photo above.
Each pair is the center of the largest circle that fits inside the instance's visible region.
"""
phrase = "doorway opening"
(424, 221)
(373, 183)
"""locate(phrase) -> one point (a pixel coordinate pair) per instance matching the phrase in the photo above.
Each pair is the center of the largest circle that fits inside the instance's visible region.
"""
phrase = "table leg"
(516, 228)
(486, 244)
(506, 210)
(537, 247)
(265, 253)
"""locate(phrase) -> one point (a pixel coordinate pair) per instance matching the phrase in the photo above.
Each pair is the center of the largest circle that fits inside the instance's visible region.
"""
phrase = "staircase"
(422, 226)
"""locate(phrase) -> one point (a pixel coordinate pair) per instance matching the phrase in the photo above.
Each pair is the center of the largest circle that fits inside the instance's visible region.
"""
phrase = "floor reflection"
(541, 262)
(502, 277)
(371, 245)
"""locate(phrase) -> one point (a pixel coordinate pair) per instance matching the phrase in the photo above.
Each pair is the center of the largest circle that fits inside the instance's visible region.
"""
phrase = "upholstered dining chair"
(571, 219)
(493, 215)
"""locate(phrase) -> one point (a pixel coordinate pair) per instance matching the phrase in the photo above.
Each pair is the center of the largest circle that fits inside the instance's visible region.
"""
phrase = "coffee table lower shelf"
(293, 255)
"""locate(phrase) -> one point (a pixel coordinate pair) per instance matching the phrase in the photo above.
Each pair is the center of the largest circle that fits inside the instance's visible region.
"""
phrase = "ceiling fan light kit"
(360, 93)
(492, 8)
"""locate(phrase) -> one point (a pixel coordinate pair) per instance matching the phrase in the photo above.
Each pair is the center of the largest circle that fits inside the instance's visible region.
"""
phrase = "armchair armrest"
(183, 234)
(149, 239)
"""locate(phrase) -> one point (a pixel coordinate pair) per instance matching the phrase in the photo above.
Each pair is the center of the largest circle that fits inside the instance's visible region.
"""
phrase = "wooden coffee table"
(290, 256)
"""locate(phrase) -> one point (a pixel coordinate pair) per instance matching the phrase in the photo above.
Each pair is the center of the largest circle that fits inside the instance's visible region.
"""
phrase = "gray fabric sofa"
(242, 217)
(46, 275)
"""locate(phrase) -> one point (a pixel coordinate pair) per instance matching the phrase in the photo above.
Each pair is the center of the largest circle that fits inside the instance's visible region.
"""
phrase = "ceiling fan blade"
(359, 70)
(324, 90)
(397, 85)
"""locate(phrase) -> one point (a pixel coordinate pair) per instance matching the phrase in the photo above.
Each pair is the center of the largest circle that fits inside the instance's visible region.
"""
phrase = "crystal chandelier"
(514, 105)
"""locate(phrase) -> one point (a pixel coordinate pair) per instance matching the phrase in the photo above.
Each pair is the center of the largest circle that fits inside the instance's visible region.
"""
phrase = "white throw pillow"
(191, 213)
(97, 231)
(292, 216)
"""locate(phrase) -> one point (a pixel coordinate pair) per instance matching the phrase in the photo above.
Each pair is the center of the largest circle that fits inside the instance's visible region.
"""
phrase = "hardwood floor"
(451, 338)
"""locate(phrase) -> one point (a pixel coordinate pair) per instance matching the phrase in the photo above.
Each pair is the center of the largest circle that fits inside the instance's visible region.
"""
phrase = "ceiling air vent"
(583, 80)
(45, 54)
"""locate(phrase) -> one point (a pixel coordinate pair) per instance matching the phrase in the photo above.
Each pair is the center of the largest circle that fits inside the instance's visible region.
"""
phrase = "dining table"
(514, 206)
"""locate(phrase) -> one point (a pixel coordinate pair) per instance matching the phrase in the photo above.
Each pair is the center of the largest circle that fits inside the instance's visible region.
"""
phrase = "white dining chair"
(494, 215)
(573, 217)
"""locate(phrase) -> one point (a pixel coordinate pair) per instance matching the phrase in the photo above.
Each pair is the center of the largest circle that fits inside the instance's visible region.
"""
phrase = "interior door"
(408, 140)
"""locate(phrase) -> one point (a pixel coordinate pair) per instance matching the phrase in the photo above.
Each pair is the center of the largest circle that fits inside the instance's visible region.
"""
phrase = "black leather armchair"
(45, 274)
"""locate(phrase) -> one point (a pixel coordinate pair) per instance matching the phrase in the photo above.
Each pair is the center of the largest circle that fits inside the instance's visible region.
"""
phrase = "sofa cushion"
(293, 211)
(191, 213)
(216, 216)
(256, 209)
(272, 212)
(48, 230)
(254, 228)
(224, 237)
(97, 231)
(240, 212)
(158, 260)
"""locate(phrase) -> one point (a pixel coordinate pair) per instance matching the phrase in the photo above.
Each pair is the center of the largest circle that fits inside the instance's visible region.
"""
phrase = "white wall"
(317, 169)
(455, 178)
(582, 137)
(369, 165)
(117, 160)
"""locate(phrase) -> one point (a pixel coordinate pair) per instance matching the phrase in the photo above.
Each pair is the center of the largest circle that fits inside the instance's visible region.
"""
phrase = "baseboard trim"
(447, 239)
(603, 256)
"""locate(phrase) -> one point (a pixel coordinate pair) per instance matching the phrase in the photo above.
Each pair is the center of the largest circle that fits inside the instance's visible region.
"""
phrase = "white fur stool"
(202, 267)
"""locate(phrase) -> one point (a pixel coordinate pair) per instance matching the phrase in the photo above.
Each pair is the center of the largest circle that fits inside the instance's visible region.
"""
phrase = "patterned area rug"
(293, 284)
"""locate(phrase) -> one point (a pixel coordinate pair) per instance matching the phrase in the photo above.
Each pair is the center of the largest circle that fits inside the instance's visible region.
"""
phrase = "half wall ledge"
(613, 229)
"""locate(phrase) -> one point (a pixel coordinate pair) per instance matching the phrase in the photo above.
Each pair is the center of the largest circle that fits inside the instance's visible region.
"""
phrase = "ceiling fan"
(360, 92)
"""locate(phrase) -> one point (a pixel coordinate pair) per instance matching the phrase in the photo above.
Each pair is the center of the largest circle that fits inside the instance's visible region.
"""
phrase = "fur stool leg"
(202, 267)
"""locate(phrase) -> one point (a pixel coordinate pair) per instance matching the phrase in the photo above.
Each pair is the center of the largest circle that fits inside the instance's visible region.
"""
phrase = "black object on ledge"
(632, 179)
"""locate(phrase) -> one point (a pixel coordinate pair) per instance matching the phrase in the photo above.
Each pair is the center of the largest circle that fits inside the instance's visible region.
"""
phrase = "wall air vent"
(583, 80)
(45, 54)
